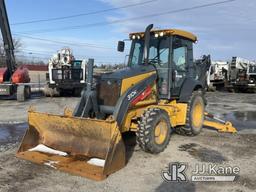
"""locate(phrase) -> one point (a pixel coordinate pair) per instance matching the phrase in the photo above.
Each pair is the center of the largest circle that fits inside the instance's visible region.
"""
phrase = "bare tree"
(17, 48)
(17, 45)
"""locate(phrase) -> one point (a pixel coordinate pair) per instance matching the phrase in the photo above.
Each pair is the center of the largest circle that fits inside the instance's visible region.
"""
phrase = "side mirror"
(121, 45)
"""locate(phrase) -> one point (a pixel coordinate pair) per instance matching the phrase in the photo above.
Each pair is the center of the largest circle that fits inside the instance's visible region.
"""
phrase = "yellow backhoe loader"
(157, 93)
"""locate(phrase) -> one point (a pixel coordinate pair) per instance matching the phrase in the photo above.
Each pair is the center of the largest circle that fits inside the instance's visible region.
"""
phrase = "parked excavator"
(13, 80)
(156, 94)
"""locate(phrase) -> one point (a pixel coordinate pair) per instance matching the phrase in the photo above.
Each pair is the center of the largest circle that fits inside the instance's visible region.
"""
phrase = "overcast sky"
(224, 30)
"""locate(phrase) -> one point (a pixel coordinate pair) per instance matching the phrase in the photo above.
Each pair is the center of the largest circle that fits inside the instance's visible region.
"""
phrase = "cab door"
(181, 59)
(159, 56)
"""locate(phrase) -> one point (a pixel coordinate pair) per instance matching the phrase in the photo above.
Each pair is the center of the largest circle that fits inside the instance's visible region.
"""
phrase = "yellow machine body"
(83, 139)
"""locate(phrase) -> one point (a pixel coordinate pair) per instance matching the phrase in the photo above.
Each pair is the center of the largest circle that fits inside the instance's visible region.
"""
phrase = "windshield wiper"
(156, 58)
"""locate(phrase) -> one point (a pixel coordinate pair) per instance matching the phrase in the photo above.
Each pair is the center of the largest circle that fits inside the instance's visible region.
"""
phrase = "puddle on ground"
(242, 119)
(221, 105)
(202, 153)
(12, 133)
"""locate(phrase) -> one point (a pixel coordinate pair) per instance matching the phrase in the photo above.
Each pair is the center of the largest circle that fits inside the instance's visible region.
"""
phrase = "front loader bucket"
(86, 147)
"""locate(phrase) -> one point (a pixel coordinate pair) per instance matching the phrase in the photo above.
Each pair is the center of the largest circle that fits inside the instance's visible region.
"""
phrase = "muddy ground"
(143, 170)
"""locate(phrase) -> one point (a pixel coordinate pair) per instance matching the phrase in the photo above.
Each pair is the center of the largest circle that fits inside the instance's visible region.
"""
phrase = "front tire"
(23, 93)
(154, 131)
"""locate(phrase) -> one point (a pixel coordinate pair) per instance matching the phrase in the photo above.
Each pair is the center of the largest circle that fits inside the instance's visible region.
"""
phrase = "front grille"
(253, 77)
(67, 74)
(108, 92)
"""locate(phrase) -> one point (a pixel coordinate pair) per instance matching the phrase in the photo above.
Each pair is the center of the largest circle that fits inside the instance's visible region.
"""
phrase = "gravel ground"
(143, 170)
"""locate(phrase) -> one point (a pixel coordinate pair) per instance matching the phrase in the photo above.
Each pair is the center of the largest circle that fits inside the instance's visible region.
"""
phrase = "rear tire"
(77, 92)
(154, 131)
(195, 115)
(27, 92)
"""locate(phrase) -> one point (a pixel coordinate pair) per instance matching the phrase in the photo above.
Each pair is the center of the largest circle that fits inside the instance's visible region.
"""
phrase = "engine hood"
(128, 72)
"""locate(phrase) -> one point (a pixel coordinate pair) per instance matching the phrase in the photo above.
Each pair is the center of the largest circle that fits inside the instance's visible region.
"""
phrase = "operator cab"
(170, 52)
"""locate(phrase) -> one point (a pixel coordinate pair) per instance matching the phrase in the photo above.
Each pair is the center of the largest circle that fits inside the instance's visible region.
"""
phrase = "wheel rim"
(197, 115)
(161, 130)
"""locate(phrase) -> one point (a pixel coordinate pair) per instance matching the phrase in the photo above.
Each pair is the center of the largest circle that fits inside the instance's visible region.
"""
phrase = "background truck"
(66, 75)
(219, 73)
(242, 75)
(14, 80)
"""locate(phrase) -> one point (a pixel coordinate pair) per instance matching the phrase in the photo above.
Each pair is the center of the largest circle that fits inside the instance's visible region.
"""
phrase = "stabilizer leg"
(218, 124)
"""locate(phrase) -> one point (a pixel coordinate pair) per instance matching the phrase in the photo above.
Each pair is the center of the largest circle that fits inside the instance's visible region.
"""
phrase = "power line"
(43, 55)
(47, 58)
(117, 21)
(38, 51)
(129, 19)
(84, 14)
(50, 53)
(31, 57)
(62, 42)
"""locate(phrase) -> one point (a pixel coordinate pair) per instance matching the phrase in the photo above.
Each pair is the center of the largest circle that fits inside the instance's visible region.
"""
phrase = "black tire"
(193, 126)
(27, 92)
(237, 90)
(211, 88)
(77, 92)
(21, 93)
(151, 120)
(49, 92)
(231, 90)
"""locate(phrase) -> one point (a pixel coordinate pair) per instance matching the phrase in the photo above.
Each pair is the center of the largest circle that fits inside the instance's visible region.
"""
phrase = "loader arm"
(218, 124)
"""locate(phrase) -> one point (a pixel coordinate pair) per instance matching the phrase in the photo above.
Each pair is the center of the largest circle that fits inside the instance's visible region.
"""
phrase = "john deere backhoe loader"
(157, 93)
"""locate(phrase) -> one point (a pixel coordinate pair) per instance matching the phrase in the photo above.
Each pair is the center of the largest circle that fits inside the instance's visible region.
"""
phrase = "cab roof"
(168, 32)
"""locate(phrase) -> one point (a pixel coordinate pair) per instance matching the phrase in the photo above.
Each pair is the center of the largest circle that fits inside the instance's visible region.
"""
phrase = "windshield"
(158, 51)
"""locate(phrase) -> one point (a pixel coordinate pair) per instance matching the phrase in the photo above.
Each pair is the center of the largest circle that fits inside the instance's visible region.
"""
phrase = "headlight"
(161, 34)
(134, 37)
(156, 35)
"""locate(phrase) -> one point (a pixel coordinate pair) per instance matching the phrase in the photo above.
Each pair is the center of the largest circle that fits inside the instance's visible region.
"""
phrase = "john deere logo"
(175, 172)
(131, 95)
